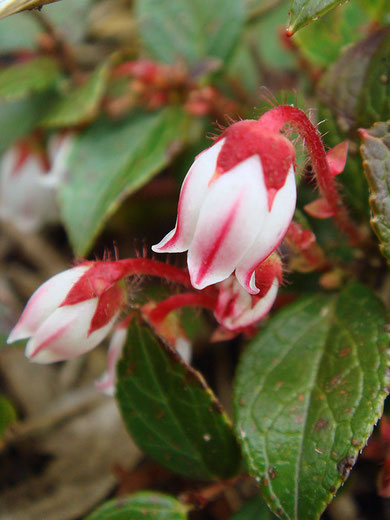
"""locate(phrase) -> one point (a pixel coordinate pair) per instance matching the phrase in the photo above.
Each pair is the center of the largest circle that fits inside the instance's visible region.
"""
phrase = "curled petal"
(232, 212)
(273, 229)
(106, 383)
(44, 301)
(64, 334)
(192, 195)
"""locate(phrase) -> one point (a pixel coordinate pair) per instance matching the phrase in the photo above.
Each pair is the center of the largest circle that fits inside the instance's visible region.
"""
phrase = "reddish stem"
(146, 266)
(274, 120)
(190, 299)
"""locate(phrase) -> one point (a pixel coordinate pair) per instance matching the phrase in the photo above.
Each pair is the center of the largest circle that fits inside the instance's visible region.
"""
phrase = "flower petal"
(45, 301)
(106, 383)
(192, 195)
(273, 229)
(64, 335)
(230, 217)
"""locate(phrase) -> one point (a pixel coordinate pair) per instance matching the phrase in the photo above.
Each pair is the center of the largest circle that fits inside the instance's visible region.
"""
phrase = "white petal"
(64, 335)
(106, 383)
(230, 217)
(192, 194)
(184, 349)
(44, 301)
(273, 229)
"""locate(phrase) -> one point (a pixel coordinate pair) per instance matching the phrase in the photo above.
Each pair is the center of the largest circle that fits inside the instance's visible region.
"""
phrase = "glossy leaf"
(309, 389)
(81, 104)
(170, 411)
(375, 151)
(145, 504)
(110, 160)
(23, 79)
(303, 12)
(189, 29)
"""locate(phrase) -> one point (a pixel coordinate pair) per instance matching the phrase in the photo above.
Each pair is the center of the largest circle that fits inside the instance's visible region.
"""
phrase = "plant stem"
(189, 299)
(145, 266)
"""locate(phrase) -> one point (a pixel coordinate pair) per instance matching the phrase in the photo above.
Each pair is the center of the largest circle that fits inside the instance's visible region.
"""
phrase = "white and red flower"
(236, 309)
(235, 206)
(29, 182)
(72, 312)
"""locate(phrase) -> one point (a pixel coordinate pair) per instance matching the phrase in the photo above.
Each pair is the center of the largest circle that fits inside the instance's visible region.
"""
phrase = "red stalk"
(145, 266)
(274, 120)
(190, 299)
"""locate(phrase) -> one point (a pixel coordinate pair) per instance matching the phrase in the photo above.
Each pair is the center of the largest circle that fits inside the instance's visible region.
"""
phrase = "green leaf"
(7, 414)
(303, 12)
(309, 389)
(191, 29)
(357, 86)
(81, 104)
(255, 509)
(170, 411)
(21, 116)
(149, 505)
(375, 151)
(323, 41)
(23, 79)
(110, 160)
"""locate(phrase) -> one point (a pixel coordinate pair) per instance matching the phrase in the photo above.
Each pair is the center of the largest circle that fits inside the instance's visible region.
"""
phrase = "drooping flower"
(236, 309)
(235, 205)
(29, 182)
(72, 312)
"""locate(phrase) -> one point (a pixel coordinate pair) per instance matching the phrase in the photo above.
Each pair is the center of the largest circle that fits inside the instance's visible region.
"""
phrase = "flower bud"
(235, 206)
(236, 309)
(71, 313)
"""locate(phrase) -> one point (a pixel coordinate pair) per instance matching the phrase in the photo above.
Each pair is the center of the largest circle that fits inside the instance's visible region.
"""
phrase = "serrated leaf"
(309, 389)
(8, 7)
(170, 411)
(303, 12)
(189, 29)
(81, 104)
(23, 79)
(254, 509)
(149, 505)
(7, 414)
(357, 86)
(375, 151)
(110, 160)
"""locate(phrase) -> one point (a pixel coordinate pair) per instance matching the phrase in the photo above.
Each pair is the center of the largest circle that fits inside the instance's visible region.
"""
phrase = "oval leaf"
(112, 160)
(255, 509)
(303, 12)
(309, 390)
(190, 29)
(375, 151)
(145, 504)
(170, 411)
(22, 79)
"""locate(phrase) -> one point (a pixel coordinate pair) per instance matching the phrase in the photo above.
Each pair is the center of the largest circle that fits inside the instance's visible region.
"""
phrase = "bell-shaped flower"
(71, 313)
(236, 309)
(235, 205)
(29, 182)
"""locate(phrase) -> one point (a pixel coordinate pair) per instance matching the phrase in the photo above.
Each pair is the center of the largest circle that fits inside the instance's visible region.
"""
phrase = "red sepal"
(99, 277)
(247, 138)
(319, 209)
(337, 157)
(108, 305)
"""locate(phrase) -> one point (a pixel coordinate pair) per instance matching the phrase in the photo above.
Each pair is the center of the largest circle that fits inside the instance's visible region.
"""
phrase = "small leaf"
(319, 208)
(337, 157)
(111, 160)
(81, 104)
(23, 79)
(149, 505)
(8, 7)
(189, 29)
(303, 12)
(309, 389)
(375, 151)
(254, 509)
(170, 411)
(7, 414)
